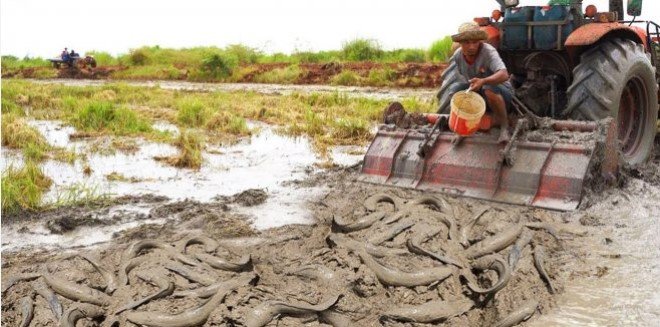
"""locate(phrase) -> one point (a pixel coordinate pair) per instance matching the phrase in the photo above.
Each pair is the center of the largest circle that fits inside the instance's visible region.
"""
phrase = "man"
(480, 64)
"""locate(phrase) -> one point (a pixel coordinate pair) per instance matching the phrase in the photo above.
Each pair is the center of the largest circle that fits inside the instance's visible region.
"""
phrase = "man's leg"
(496, 102)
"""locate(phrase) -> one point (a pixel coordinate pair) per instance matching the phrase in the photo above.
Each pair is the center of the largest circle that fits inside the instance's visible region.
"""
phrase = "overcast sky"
(43, 28)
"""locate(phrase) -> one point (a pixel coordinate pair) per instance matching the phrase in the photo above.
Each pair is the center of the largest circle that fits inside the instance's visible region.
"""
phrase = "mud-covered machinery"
(586, 102)
(74, 62)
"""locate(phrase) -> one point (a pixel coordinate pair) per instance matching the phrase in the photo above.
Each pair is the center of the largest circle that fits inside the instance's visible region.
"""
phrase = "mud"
(299, 271)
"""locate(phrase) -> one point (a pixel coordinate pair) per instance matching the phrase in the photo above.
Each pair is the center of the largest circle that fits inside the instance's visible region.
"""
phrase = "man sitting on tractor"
(480, 64)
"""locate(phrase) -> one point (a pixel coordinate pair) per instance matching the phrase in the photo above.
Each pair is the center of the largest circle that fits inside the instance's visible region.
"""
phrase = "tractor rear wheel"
(616, 79)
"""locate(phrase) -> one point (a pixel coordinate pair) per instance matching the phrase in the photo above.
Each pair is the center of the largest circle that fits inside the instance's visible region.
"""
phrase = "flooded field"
(379, 93)
(265, 161)
(270, 206)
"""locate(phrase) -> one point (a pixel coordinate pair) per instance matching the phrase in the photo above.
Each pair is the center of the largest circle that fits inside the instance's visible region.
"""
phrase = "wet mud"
(206, 265)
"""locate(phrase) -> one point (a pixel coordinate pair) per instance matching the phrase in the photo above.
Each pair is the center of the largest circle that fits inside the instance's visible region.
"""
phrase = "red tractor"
(583, 65)
(586, 100)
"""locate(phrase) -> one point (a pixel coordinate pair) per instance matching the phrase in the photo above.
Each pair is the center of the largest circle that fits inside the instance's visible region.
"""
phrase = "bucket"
(467, 108)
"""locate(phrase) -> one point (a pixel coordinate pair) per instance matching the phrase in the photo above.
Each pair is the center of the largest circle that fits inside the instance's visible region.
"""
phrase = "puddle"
(379, 93)
(628, 294)
(265, 161)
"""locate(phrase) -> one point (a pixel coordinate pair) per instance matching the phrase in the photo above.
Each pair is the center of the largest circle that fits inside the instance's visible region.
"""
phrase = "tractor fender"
(589, 34)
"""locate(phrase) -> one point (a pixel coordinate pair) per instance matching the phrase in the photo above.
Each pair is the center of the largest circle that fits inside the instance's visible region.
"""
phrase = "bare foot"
(504, 136)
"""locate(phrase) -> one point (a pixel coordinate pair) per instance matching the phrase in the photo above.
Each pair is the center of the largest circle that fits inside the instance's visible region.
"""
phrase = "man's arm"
(499, 77)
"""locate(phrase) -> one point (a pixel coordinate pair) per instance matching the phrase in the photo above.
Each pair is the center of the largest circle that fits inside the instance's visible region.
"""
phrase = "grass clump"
(101, 117)
(362, 50)
(381, 77)
(229, 123)
(192, 113)
(23, 189)
(286, 75)
(440, 50)
(190, 146)
(346, 77)
(351, 130)
(17, 134)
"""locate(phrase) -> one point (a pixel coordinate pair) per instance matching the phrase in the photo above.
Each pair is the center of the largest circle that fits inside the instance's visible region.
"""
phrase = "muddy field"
(373, 256)
(266, 234)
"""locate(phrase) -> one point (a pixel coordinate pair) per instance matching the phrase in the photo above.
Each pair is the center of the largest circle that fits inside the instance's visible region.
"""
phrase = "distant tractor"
(74, 62)
(567, 63)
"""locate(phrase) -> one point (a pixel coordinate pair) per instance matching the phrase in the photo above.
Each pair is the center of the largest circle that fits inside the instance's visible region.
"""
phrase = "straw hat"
(469, 32)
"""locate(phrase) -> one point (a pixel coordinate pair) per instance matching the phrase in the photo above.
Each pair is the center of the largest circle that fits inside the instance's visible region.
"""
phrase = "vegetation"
(100, 116)
(190, 146)
(23, 188)
(440, 50)
(328, 118)
(232, 63)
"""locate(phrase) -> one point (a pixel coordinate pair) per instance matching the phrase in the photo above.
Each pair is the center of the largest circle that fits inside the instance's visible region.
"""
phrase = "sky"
(42, 28)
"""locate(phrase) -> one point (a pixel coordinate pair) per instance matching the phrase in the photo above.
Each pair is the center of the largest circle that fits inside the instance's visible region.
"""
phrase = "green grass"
(23, 189)
(219, 114)
(381, 77)
(79, 194)
(192, 113)
(287, 75)
(362, 50)
(100, 117)
(440, 50)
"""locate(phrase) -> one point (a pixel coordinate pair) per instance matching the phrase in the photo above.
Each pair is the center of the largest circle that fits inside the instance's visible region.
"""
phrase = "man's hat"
(469, 32)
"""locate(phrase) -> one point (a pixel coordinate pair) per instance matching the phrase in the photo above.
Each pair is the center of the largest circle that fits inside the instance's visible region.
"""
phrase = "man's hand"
(476, 84)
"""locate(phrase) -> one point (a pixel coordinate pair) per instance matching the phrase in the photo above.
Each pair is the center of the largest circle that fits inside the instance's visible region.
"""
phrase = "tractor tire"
(452, 82)
(615, 78)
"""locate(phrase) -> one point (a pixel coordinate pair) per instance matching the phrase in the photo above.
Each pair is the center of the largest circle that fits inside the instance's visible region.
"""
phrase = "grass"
(440, 50)
(228, 123)
(231, 63)
(346, 77)
(80, 194)
(362, 50)
(23, 188)
(17, 134)
(101, 116)
(287, 75)
(192, 113)
(327, 118)
(190, 146)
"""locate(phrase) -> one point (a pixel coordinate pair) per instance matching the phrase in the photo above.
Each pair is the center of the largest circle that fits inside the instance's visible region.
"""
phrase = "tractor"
(574, 72)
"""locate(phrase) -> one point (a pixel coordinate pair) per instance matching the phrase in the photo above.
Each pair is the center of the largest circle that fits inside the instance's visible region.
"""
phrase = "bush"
(219, 65)
(139, 57)
(362, 50)
(440, 50)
